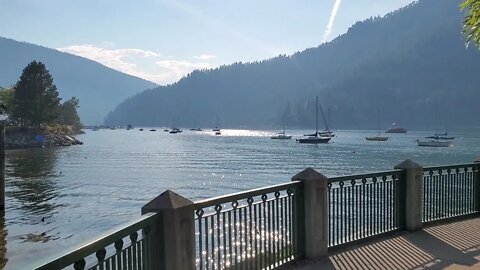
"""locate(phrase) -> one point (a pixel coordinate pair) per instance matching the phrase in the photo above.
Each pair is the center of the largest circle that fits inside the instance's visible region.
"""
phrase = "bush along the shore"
(49, 136)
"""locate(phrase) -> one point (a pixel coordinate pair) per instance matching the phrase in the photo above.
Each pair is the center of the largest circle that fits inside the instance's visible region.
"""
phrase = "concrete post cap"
(309, 174)
(408, 164)
(166, 200)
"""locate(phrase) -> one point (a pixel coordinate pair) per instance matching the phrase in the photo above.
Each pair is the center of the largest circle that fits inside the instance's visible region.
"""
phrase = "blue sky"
(162, 40)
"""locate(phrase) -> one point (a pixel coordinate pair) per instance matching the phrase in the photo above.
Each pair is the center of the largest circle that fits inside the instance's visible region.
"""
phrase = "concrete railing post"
(314, 223)
(411, 199)
(476, 183)
(172, 241)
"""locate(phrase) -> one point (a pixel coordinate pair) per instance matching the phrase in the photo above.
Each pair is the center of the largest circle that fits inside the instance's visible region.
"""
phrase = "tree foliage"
(471, 26)
(68, 113)
(36, 96)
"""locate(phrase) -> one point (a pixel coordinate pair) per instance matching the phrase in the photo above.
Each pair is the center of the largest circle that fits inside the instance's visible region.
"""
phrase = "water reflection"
(31, 180)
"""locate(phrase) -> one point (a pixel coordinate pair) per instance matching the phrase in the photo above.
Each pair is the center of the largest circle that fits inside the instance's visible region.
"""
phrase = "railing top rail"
(446, 167)
(362, 176)
(93, 246)
(244, 194)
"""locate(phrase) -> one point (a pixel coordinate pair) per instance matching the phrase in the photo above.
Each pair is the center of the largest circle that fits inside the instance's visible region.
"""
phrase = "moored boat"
(376, 138)
(315, 138)
(434, 143)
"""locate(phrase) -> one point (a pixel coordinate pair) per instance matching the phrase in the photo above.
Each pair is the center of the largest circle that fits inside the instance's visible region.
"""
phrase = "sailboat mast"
(316, 118)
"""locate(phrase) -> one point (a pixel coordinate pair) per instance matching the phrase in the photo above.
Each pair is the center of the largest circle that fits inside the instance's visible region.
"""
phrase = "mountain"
(406, 64)
(98, 87)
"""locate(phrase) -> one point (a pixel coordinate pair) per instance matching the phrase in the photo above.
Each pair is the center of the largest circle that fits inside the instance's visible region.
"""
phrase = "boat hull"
(377, 139)
(281, 137)
(434, 143)
(315, 140)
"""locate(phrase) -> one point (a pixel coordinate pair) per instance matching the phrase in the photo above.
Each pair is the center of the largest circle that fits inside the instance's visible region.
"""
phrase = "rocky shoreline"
(34, 138)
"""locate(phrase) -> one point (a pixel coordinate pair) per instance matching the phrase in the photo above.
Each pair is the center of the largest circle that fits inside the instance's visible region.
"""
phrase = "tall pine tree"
(36, 96)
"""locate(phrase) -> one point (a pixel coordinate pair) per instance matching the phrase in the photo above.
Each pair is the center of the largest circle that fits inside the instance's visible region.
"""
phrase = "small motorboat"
(435, 143)
(153, 129)
(141, 129)
(377, 138)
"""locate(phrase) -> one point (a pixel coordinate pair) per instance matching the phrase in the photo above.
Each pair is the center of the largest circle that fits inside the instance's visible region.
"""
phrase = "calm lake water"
(58, 198)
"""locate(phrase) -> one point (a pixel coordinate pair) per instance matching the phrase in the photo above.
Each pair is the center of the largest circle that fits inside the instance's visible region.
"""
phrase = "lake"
(58, 198)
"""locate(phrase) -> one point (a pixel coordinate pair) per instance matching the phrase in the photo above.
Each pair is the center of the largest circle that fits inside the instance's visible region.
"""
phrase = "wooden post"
(411, 194)
(2, 166)
(172, 242)
(313, 226)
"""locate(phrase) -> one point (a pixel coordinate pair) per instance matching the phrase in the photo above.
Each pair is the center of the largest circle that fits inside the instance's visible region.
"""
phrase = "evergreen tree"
(36, 97)
(69, 115)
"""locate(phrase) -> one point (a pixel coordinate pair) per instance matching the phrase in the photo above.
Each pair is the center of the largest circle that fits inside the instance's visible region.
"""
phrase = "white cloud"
(331, 20)
(204, 56)
(178, 69)
(138, 62)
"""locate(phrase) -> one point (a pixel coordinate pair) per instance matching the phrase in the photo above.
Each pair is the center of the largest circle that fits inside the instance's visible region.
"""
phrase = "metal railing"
(361, 206)
(254, 229)
(450, 191)
(268, 227)
(124, 247)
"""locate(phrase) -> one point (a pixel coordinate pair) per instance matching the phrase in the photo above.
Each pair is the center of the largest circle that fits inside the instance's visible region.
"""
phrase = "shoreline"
(28, 137)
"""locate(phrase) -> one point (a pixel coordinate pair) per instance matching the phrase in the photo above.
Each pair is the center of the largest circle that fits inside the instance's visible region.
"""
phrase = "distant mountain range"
(411, 65)
(98, 87)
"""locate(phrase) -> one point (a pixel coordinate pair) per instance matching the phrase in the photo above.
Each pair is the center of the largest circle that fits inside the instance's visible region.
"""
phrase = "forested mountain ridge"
(98, 87)
(406, 65)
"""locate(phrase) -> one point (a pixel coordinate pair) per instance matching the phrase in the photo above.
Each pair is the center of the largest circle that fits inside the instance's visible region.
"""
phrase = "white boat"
(315, 138)
(281, 135)
(435, 143)
(395, 129)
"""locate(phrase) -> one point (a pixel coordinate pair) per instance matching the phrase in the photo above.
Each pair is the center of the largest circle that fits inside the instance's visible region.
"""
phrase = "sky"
(163, 40)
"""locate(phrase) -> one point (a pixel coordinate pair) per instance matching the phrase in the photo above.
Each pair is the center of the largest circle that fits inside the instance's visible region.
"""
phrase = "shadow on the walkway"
(454, 246)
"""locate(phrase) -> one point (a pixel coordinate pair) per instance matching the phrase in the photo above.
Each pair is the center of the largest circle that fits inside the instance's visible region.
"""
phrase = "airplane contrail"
(331, 20)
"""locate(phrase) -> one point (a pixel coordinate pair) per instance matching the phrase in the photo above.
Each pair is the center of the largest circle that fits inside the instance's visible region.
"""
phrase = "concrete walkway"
(450, 246)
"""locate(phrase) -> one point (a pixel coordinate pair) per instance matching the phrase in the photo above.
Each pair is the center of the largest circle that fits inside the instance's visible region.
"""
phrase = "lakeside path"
(453, 245)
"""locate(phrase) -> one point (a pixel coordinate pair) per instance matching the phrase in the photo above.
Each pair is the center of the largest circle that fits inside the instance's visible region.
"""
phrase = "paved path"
(449, 246)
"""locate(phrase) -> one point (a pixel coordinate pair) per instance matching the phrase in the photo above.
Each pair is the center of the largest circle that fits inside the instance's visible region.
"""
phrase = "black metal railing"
(248, 230)
(364, 205)
(450, 191)
(124, 247)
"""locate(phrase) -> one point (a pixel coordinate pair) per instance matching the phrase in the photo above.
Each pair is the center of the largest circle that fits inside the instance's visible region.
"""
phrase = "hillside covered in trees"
(407, 65)
(98, 87)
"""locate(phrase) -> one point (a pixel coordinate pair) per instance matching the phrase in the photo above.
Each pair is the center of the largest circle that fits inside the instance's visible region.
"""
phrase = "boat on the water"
(435, 143)
(395, 129)
(140, 129)
(175, 131)
(153, 129)
(218, 132)
(440, 137)
(281, 135)
(315, 138)
(166, 130)
(378, 137)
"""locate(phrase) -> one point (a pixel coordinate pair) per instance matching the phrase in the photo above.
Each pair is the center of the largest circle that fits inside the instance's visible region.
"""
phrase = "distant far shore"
(17, 137)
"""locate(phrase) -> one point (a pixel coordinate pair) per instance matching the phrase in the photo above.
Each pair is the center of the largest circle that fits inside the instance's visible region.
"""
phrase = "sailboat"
(315, 138)
(217, 129)
(196, 128)
(281, 135)
(377, 138)
(327, 132)
(438, 139)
